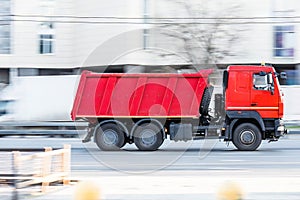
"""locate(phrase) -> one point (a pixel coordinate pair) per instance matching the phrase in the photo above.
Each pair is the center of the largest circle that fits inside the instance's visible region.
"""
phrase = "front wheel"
(247, 137)
(110, 137)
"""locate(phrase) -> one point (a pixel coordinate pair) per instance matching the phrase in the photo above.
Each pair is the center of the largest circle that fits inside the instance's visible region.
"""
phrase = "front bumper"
(280, 129)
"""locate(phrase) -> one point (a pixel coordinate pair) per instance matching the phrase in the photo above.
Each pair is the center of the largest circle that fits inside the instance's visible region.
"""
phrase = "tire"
(110, 137)
(206, 98)
(148, 137)
(247, 137)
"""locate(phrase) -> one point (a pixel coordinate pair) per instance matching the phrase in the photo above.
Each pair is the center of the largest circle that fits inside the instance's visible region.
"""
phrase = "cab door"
(237, 92)
(264, 98)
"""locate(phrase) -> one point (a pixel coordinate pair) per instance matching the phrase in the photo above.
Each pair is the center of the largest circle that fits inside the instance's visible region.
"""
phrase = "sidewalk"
(162, 186)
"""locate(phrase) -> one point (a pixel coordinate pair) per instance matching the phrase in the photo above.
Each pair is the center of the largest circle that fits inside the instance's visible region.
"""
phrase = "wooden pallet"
(40, 168)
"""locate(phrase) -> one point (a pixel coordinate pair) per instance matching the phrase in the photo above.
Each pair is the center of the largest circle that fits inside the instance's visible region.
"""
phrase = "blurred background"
(45, 44)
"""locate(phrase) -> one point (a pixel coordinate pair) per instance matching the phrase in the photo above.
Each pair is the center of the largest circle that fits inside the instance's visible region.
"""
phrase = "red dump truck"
(145, 109)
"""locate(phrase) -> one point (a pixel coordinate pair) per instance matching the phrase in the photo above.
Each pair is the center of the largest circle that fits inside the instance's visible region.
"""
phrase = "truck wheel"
(109, 137)
(148, 137)
(247, 137)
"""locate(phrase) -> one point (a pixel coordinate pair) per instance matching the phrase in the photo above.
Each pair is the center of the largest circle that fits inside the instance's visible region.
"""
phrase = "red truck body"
(145, 109)
(140, 95)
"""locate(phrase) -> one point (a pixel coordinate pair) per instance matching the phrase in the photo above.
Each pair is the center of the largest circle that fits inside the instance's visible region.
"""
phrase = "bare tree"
(206, 35)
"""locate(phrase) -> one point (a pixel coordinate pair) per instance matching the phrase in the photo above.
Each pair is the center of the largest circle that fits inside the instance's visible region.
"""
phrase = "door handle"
(253, 104)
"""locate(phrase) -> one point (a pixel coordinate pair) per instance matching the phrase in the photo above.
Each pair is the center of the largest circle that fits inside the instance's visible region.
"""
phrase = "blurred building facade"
(50, 37)
(40, 38)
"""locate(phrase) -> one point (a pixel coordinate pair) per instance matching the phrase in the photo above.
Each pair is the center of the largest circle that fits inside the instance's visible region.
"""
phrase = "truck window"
(260, 82)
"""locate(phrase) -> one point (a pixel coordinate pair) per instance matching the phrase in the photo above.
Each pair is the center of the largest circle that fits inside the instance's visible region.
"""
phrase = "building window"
(46, 33)
(5, 27)
(46, 44)
(46, 38)
(28, 72)
(4, 77)
(284, 41)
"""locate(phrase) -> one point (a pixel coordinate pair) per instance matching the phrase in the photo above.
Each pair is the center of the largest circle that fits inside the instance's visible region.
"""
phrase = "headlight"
(280, 129)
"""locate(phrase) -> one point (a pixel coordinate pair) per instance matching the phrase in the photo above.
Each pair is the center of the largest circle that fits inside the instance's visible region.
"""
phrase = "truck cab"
(253, 106)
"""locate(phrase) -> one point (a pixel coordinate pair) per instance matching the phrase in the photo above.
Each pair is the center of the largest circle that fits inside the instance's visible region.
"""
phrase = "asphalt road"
(207, 154)
(180, 170)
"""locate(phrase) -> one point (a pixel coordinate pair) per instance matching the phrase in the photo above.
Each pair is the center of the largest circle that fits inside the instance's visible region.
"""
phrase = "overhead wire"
(159, 18)
(155, 20)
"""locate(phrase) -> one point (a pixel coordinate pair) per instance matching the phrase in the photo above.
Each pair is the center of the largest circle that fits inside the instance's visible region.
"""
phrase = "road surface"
(195, 170)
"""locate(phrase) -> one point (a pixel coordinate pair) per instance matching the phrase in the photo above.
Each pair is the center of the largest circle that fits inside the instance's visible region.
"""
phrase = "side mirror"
(272, 89)
(270, 79)
(283, 75)
(270, 83)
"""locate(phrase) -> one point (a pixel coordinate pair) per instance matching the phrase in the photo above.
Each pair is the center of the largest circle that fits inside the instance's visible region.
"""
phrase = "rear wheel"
(247, 137)
(148, 137)
(110, 137)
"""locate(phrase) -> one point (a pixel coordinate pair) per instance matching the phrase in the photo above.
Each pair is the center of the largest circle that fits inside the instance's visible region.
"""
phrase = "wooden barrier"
(41, 168)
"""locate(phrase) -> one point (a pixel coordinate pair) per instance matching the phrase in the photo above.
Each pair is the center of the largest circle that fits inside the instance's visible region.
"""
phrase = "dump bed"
(119, 95)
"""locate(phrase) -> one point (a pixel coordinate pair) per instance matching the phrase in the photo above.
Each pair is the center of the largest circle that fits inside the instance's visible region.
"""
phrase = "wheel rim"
(148, 137)
(247, 137)
(110, 137)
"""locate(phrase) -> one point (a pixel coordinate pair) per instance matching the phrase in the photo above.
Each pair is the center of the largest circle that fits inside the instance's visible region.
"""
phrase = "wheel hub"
(110, 137)
(247, 137)
(148, 137)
